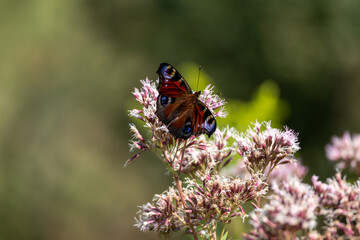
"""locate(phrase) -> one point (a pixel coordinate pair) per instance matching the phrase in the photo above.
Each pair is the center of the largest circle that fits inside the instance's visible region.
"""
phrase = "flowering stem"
(258, 200)
(160, 157)
(222, 231)
(182, 156)
(179, 187)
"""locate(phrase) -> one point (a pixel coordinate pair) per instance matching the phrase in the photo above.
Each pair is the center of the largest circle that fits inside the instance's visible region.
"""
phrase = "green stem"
(222, 231)
(166, 164)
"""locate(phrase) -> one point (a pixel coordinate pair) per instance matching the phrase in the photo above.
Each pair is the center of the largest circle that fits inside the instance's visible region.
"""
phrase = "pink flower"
(345, 151)
(162, 215)
(217, 198)
(222, 197)
(203, 156)
(291, 208)
(340, 203)
(213, 102)
(267, 148)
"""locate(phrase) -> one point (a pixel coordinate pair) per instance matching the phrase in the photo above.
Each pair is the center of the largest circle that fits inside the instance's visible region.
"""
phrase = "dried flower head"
(340, 204)
(267, 148)
(345, 151)
(291, 208)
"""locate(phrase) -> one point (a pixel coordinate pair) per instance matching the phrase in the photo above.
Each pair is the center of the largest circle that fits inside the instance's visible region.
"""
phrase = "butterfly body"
(179, 108)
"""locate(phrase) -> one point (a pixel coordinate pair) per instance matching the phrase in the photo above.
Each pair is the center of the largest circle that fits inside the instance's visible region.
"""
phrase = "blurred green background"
(67, 69)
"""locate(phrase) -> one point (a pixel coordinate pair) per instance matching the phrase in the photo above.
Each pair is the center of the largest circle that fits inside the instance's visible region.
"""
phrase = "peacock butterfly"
(179, 108)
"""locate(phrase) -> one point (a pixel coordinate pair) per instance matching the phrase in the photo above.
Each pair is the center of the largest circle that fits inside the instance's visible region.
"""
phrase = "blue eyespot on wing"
(187, 127)
(210, 124)
(163, 100)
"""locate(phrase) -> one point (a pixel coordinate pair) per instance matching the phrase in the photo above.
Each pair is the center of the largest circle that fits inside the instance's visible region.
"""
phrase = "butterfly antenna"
(197, 85)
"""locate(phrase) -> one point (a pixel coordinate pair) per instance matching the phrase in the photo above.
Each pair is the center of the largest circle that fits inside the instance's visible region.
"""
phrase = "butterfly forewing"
(171, 83)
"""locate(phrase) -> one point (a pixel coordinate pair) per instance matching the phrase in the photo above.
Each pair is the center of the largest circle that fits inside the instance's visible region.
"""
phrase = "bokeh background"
(67, 69)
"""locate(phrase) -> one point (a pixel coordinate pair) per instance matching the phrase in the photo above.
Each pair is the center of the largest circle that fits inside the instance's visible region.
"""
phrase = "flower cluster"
(198, 158)
(221, 197)
(147, 96)
(268, 148)
(345, 151)
(295, 207)
(213, 101)
(216, 154)
(162, 215)
(340, 204)
(206, 199)
(216, 199)
(290, 209)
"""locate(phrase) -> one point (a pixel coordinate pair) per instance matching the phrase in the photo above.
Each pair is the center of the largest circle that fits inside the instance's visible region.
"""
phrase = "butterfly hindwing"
(203, 120)
(181, 125)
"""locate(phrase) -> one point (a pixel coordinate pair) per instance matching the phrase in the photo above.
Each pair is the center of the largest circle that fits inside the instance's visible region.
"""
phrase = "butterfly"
(179, 108)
